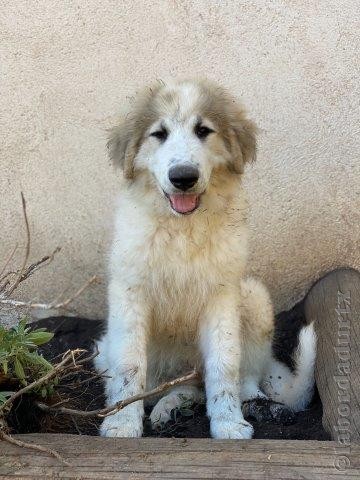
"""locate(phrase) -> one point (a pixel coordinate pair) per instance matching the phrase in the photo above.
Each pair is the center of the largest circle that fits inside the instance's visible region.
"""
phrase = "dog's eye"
(201, 131)
(160, 134)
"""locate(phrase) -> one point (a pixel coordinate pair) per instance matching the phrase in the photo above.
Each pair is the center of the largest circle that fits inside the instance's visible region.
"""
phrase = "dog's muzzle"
(184, 177)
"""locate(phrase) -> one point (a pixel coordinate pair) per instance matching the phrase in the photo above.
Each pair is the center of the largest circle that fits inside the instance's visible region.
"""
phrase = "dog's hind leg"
(258, 325)
(179, 397)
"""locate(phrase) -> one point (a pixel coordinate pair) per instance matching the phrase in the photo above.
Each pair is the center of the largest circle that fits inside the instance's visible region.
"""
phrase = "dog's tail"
(290, 375)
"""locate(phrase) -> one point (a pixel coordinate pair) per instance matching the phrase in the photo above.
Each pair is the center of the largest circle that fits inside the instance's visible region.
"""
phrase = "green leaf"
(18, 352)
(39, 338)
(37, 360)
(20, 327)
(19, 369)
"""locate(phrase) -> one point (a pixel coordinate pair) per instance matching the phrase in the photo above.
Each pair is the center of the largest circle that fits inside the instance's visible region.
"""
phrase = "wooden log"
(162, 458)
(334, 304)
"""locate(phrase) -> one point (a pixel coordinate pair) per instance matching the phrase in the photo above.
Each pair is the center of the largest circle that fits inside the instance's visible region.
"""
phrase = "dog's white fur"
(178, 294)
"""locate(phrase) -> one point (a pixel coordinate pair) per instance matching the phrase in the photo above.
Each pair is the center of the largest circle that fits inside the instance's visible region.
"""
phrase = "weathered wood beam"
(334, 304)
(106, 458)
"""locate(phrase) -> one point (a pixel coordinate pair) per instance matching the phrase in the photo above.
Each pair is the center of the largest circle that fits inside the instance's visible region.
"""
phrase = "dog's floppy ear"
(123, 147)
(242, 138)
(125, 140)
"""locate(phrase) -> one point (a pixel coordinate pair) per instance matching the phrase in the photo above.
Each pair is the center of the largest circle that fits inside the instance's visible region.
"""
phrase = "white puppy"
(178, 297)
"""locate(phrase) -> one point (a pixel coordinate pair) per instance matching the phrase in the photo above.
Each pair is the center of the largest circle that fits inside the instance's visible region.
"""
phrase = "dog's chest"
(179, 265)
(186, 265)
(195, 253)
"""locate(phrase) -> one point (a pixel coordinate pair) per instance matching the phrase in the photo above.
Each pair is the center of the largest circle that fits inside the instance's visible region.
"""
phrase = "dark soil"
(87, 394)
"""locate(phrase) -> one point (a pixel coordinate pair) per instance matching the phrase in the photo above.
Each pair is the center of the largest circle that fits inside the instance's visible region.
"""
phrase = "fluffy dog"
(178, 295)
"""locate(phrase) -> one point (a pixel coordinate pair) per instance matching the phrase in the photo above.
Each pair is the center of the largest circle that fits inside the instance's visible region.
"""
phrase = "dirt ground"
(88, 394)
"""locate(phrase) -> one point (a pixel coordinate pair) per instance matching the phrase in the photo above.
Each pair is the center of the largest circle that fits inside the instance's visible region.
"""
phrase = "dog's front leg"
(221, 349)
(124, 348)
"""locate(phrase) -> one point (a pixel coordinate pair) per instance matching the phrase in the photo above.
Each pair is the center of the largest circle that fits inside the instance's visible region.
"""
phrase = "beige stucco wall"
(69, 67)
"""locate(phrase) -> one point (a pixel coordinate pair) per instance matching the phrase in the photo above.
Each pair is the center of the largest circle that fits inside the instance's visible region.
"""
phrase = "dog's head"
(180, 135)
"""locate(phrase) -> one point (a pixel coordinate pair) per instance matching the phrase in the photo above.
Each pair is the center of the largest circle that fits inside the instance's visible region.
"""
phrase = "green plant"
(20, 362)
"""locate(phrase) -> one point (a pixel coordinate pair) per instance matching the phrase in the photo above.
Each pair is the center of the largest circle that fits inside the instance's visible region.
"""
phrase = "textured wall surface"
(68, 68)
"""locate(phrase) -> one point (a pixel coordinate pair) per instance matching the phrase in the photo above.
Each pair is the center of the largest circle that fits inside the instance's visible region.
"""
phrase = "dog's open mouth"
(184, 203)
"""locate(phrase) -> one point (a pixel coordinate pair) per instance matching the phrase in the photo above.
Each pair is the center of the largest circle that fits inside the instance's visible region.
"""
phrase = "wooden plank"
(334, 304)
(125, 458)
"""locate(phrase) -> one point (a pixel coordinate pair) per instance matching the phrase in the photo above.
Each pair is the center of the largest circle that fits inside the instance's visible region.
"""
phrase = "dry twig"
(70, 362)
(27, 249)
(63, 305)
(7, 261)
(33, 446)
(31, 269)
(38, 264)
(112, 409)
(7, 289)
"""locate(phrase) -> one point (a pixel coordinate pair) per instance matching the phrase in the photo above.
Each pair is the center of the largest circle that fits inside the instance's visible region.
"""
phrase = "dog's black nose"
(183, 176)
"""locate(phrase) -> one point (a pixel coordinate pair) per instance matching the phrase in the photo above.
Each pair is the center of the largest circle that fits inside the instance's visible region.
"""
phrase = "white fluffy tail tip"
(306, 352)
(305, 356)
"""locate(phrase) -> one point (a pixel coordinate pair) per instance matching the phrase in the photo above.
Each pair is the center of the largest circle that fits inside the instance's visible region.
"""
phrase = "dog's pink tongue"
(183, 203)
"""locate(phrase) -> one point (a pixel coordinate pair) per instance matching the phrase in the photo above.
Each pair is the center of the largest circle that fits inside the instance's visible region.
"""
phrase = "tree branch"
(112, 409)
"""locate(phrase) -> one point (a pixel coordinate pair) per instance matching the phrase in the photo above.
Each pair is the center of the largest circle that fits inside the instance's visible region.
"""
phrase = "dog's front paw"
(122, 424)
(230, 429)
